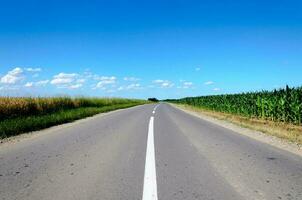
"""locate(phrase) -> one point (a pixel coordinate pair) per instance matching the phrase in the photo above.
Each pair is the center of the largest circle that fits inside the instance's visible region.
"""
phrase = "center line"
(150, 185)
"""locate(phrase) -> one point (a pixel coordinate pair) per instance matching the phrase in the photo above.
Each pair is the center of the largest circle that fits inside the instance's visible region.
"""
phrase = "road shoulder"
(257, 135)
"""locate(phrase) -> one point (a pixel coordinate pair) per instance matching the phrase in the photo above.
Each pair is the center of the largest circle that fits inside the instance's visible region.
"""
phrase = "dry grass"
(24, 114)
(289, 132)
(12, 107)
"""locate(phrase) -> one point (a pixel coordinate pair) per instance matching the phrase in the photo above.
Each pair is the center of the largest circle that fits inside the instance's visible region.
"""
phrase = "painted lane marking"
(150, 185)
(153, 111)
(156, 107)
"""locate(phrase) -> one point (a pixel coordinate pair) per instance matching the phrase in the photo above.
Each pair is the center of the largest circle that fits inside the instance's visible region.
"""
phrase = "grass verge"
(16, 126)
(288, 132)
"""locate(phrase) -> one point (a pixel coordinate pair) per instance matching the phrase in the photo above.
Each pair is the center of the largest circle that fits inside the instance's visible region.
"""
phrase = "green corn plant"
(283, 105)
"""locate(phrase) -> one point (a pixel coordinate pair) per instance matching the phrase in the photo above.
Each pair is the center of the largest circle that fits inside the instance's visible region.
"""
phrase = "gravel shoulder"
(257, 135)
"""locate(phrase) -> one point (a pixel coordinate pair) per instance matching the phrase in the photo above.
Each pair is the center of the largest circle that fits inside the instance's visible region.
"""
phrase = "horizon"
(146, 98)
(162, 49)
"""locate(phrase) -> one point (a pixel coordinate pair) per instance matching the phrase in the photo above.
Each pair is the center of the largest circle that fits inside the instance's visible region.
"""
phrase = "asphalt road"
(105, 157)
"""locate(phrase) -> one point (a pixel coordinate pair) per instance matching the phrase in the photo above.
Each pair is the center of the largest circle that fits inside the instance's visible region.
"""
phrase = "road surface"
(146, 153)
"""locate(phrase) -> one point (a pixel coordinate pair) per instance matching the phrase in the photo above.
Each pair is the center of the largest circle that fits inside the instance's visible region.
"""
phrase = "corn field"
(12, 107)
(283, 105)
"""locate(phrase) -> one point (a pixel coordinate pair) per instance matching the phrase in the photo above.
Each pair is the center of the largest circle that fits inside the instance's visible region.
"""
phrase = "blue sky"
(140, 49)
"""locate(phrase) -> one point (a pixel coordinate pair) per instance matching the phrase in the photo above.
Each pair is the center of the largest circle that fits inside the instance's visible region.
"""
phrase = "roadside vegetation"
(20, 115)
(277, 112)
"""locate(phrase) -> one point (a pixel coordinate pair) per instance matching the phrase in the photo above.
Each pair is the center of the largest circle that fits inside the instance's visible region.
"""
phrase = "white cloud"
(29, 84)
(38, 83)
(41, 83)
(59, 81)
(188, 84)
(131, 79)
(209, 83)
(13, 76)
(69, 81)
(133, 86)
(33, 69)
(158, 81)
(76, 86)
(63, 78)
(185, 85)
(81, 80)
(163, 83)
(167, 85)
(88, 74)
(106, 81)
(99, 77)
(216, 89)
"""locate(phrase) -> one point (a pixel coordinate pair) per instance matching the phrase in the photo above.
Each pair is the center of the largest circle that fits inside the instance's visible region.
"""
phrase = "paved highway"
(146, 152)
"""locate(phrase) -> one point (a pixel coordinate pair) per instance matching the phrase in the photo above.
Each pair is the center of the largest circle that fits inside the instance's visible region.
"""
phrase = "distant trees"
(153, 99)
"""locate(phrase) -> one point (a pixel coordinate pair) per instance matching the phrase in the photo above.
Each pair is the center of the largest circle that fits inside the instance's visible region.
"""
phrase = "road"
(104, 157)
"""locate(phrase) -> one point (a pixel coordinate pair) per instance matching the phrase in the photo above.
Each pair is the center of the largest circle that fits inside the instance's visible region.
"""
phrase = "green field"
(20, 115)
(283, 105)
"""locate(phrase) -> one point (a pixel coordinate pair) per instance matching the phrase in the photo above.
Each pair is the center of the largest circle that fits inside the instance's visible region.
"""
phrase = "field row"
(12, 107)
(284, 105)
(20, 115)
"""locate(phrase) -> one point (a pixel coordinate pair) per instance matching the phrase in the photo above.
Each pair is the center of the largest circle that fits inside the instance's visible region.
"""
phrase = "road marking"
(150, 185)
(153, 111)
(155, 107)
